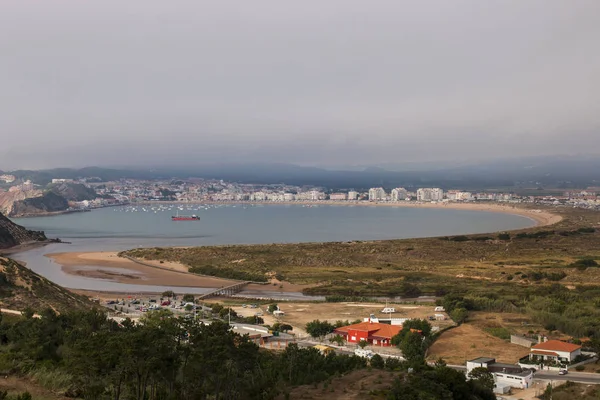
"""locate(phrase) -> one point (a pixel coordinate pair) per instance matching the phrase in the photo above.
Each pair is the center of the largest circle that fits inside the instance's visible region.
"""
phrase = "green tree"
(504, 236)
(188, 298)
(168, 293)
(285, 327)
(412, 348)
(363, 343)
(594, 344)
(459, 315)
(420, 325)
(483, 377)
(273, 307)
(337, 339)
(318, 329)
(377, 362)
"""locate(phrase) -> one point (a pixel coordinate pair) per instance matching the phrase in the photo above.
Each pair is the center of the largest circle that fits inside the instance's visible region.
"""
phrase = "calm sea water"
(122, 228)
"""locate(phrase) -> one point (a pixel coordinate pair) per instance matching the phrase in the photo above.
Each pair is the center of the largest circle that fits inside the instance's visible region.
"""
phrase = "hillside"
(8, 199)
(21, 288)
(73, 191)
(49, 202)
(12, 234)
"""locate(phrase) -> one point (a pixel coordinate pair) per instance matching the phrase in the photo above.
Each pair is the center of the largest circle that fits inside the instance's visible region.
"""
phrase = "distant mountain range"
(553, 172)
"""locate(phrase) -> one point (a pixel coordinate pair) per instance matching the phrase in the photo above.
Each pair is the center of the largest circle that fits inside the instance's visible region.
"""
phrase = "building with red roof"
(554, 350)
(374, 333)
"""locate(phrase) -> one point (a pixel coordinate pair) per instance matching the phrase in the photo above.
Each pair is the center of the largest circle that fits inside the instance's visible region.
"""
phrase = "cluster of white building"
(7, 178)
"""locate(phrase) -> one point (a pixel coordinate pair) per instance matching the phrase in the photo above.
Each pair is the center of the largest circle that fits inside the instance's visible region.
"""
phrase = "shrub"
(504, 236)
(579, 368)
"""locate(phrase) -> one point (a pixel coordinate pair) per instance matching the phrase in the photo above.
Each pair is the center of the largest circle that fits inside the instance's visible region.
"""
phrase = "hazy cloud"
(151, 81)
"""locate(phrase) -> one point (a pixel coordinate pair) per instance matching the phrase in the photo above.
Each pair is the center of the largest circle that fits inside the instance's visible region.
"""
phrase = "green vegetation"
(499, 332)
(88, 356)
(438, 382)
(227, 273)
(319, 329)
(85, 355)
(573, 311)
(571, 390)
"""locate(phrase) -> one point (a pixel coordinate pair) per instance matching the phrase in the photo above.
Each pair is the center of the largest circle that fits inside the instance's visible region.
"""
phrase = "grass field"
(468, 341)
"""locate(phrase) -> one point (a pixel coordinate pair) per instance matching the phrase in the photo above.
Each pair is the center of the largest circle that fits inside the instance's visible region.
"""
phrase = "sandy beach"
(541, 217)
(108, 265)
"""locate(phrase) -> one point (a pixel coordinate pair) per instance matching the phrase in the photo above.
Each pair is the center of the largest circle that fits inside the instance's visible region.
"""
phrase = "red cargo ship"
(185, 217)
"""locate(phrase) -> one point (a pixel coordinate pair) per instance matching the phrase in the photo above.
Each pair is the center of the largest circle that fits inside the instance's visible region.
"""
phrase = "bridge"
(225, 291)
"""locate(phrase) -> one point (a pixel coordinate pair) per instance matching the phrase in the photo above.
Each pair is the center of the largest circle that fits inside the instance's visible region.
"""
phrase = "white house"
(554, 350)
(504, 374)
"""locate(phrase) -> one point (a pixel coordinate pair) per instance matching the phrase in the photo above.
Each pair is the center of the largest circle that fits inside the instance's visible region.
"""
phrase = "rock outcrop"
(49, 202)
(12, 234)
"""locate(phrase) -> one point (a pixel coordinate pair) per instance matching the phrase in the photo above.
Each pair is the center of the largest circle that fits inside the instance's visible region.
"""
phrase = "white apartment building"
(337, 196)
(376, 194)
(352, 195)
(258, 196)
(399, 194)
(430, 194)
(464, 196)
(316, 195)
(289, 197)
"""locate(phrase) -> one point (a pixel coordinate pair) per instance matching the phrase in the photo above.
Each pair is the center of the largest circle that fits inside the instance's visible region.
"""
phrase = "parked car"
(563, 372)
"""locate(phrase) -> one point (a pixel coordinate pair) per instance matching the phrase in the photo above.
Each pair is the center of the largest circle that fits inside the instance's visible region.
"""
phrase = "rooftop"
(374, 328)
(556, 345)
(483, 360)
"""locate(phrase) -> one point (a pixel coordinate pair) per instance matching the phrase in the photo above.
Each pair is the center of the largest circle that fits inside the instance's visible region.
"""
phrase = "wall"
(358, 336)
(522, 341)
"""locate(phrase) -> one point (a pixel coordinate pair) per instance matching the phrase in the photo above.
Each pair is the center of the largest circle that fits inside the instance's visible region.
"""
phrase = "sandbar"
(108, 265)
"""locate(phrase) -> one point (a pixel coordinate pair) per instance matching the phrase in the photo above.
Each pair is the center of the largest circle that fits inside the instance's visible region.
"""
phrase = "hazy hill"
(550, 171)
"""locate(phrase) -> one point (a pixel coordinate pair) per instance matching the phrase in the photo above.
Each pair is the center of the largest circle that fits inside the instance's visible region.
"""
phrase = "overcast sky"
(149, 82)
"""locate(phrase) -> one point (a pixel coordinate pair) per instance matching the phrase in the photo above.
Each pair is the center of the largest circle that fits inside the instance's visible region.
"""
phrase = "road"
(581, 377)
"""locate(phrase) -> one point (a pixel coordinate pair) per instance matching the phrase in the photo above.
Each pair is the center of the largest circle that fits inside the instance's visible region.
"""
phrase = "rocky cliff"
(47, 203)
(12, 234)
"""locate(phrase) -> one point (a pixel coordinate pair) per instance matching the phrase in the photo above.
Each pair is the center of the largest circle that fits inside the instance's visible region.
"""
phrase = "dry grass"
(15, 385)
(468, 341)
(357, 385)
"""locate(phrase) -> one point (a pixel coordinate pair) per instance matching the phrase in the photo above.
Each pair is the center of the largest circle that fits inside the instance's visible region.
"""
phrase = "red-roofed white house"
(555, 350)
(373, 332)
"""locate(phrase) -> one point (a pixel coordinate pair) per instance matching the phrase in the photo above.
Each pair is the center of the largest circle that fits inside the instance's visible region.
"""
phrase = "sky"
(329, 82)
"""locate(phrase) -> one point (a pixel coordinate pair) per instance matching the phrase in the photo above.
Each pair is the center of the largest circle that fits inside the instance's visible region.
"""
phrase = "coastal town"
(129, 191)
